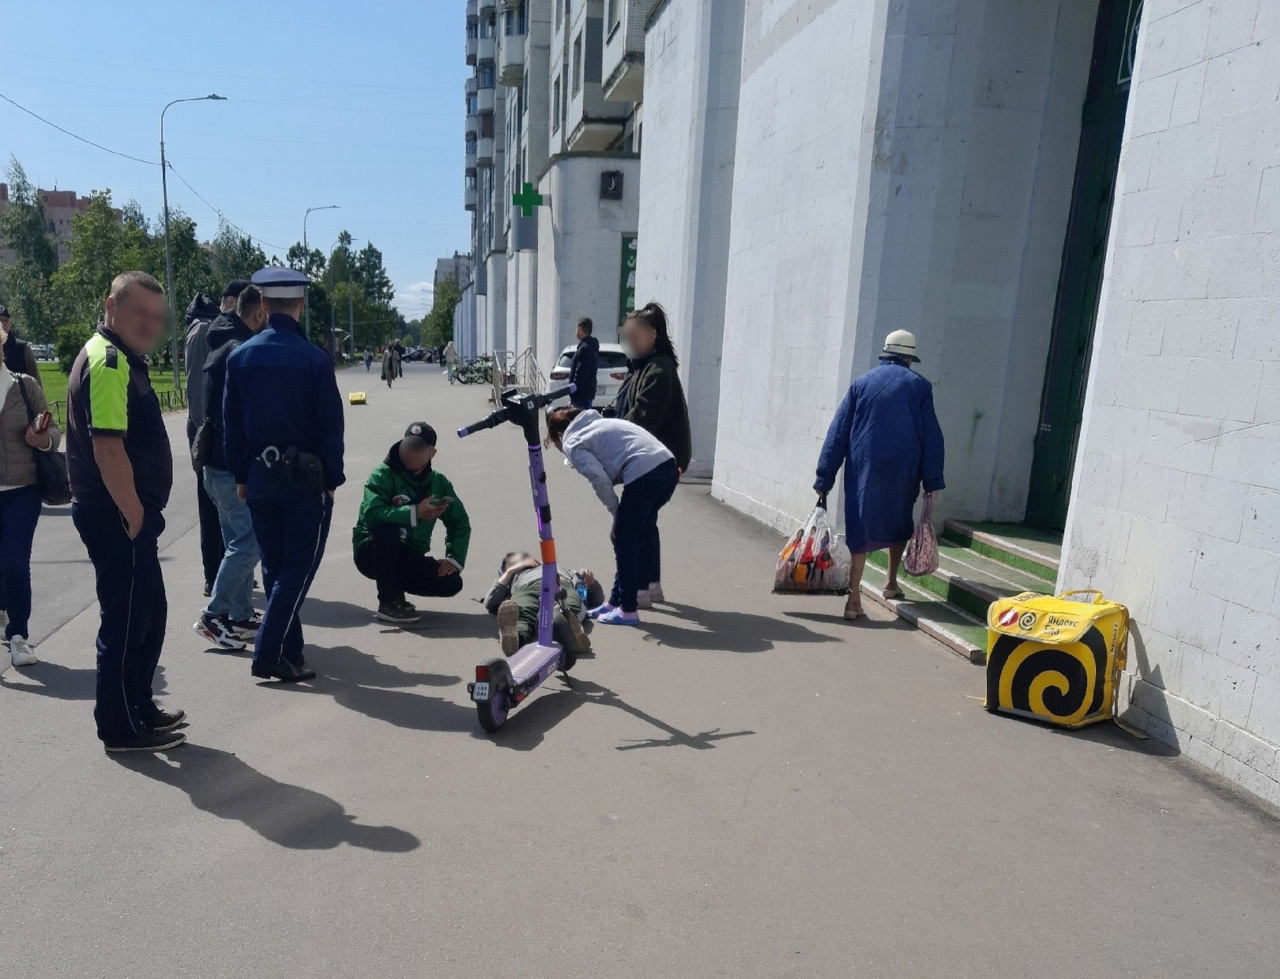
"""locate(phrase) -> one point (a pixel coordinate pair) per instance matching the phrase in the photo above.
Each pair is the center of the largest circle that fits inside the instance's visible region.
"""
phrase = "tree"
(25, 285)
(234, 255)
(438, 324)
(97, 246)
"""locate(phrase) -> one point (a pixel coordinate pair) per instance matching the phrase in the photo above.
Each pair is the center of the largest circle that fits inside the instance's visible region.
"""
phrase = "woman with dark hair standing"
(652, 397)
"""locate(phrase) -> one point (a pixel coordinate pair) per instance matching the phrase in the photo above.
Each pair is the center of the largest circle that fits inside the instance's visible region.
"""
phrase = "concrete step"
(953, 627)
(1033, 551)
(970, 581)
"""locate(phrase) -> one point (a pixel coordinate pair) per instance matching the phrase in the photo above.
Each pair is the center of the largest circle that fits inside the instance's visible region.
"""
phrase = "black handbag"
(51, 467)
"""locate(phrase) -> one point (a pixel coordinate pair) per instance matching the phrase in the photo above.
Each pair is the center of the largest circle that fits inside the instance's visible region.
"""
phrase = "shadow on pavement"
(53, 680)
(360, 682)
(528, 728)
(734, 632)
(864, 624)
(288, 815)
(333, 614)
(329, 614)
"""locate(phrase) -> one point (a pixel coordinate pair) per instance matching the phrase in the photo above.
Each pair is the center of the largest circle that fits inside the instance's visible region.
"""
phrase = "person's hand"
(431, 511)
(42, 441)
(588, 578)
(331, 493)
(133, 521)
(242, 491)
(444, 569)
(613, 533)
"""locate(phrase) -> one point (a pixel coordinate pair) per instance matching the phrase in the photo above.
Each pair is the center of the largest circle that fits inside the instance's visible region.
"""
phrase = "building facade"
(1073, 204)
(456, 267)
(60, 207)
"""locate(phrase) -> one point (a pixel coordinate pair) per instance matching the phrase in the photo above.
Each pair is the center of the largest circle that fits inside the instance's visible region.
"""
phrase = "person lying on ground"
(514, 599)
(403, 498)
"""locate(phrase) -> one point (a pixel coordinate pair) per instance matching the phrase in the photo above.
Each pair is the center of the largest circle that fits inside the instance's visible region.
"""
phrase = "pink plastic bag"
(921, 557)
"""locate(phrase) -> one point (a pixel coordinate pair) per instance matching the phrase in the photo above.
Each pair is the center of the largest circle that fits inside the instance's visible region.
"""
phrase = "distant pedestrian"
(886, 435)
(388, 364)
(450, 358)
(652, 396)
(121, 470)
(583, 369)
(21, 400)
(368, 360)
(404, 497)
(230, 621)
(283, 438)
(18, 355)
(609, 452)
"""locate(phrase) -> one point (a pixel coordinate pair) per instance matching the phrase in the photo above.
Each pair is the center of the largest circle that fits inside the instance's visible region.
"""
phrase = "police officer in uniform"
(282, 434)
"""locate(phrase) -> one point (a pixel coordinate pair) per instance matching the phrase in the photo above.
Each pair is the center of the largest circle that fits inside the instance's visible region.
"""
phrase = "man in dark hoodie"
(229, 620)
(18, 355)
(201, 315)
(586, 361)
(403, 498)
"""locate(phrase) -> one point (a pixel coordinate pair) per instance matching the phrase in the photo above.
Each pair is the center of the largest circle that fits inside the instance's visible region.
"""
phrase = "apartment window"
(484, 76)
(577, 64)
(559, 16)
(524, 17)
(556, 99)
(486, 126)
(614, 15)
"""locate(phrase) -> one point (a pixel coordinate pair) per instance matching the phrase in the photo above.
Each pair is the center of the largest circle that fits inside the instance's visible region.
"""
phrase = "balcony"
(485, 49)
(470, 158)
(484, 100)
(471, 128)
(487, 6)
(511, 60)
(624, 51)
(469, 199)
(473, 44)
(473, 11)
(484, 153)
(472, 86)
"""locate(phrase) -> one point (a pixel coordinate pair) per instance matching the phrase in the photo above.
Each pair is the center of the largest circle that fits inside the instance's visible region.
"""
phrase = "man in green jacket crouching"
(403, 498)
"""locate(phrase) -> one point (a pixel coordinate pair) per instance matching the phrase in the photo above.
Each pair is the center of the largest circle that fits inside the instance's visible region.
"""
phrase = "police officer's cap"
(278, 282)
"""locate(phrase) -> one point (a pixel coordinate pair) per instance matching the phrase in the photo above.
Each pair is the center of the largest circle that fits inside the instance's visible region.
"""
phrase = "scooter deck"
(534, 662)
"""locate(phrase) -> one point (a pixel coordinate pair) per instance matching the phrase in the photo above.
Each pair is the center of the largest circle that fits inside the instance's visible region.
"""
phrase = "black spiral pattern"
(1083, 664)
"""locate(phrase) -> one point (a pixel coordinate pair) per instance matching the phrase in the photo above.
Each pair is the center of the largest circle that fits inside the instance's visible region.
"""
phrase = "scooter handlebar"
(504, 414)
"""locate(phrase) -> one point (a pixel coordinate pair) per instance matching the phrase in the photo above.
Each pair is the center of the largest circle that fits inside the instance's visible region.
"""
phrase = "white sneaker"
(655, 592)
(20, 652)
(644, 600)
(4, 620)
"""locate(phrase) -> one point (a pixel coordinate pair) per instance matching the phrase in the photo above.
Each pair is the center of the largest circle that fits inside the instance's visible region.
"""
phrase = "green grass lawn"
(55, 387)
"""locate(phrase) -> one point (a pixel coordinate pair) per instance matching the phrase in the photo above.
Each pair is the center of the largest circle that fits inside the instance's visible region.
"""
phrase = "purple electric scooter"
(501, 683)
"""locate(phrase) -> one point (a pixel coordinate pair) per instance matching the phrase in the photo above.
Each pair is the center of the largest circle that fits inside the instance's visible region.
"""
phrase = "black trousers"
(212, 546)
(133, 617)
(398, 568)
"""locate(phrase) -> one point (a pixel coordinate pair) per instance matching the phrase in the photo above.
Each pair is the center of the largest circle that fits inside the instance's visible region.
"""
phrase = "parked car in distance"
(610, 371)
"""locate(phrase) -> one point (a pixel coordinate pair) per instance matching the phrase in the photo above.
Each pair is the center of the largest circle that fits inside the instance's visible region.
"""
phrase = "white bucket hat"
(901, 343)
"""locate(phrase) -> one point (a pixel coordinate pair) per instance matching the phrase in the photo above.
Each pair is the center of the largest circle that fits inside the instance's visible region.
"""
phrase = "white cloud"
(414, 301)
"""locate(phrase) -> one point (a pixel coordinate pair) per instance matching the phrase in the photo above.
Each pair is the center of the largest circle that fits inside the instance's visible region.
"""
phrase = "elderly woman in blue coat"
(886, 435)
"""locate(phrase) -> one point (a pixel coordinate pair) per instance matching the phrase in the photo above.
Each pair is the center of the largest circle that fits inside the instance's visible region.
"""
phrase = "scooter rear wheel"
(492, 713)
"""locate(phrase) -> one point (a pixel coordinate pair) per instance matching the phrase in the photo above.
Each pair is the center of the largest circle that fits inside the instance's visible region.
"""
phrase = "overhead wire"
(68, 132)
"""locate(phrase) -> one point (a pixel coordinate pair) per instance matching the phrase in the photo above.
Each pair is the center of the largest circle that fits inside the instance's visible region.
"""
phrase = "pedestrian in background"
(201, 316)
(450, 357)
(283, 425)
(886, 435)
(21, 400)
(586, 361)
(229, 621)
(652, 397)
(121, 470)
(368, 359)
(388, 364)
(609, 451)
(18, 355)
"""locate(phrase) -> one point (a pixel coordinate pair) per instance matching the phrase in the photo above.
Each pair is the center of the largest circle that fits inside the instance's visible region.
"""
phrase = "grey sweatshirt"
(609, 451)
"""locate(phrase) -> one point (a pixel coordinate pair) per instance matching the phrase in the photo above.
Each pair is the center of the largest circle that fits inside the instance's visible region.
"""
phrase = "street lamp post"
(307, 254)
(168, 251)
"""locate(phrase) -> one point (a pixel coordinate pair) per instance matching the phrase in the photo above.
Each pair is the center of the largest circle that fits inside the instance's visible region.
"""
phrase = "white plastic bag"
(815, 560)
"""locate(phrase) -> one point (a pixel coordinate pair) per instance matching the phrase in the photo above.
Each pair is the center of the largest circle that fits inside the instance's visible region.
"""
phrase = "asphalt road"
(746, 786)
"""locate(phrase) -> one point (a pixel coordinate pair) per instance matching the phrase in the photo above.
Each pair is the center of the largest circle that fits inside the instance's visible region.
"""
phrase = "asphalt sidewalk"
(745, 786)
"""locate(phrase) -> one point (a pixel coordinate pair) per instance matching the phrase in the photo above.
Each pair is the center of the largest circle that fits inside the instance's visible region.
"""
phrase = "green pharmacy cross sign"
(527, 200)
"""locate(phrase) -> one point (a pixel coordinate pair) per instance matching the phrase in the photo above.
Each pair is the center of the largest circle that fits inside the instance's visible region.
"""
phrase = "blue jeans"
(232, 593)
(635, 532)
(19, 513)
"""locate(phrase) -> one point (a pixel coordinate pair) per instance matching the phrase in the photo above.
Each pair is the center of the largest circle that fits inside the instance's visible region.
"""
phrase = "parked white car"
(611, 369)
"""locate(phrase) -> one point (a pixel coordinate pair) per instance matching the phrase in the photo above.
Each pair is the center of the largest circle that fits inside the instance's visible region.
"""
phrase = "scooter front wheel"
(492, 713)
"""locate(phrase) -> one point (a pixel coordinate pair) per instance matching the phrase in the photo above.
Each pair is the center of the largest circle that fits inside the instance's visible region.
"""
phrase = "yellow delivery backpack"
(1056, 659)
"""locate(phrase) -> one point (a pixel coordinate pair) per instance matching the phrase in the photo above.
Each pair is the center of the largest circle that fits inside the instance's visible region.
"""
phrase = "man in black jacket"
(229, 620)
(586, 361)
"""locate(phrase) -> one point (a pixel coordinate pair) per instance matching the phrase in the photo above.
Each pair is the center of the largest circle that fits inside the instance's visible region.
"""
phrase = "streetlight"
(307, 252)
(168, 252)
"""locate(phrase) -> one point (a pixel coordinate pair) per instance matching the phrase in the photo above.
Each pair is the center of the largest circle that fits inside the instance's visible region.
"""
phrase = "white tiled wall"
(1176, 501)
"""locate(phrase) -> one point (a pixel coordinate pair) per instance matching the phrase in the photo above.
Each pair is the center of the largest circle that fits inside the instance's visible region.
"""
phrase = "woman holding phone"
(25, 426)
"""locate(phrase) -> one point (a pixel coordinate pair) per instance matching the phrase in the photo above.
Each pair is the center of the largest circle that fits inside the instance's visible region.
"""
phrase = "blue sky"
(356, 104)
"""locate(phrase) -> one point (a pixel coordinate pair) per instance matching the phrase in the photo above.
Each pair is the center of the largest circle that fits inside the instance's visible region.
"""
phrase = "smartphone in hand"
(42, 423)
